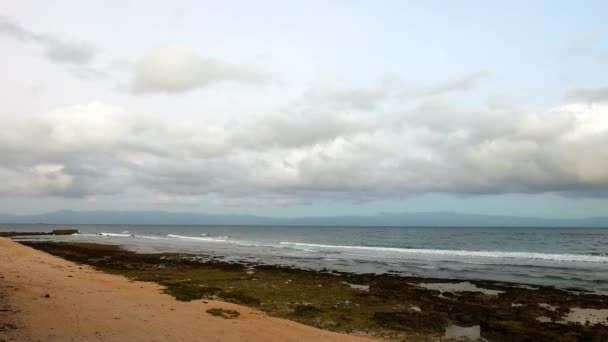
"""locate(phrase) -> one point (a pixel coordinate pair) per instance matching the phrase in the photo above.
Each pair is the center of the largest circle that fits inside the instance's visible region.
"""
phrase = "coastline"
(89, 305)
(379, 306)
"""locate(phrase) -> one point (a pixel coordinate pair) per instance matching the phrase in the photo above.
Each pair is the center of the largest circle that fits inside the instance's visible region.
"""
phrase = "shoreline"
(382, 306)
(85, 304)
(518, 261)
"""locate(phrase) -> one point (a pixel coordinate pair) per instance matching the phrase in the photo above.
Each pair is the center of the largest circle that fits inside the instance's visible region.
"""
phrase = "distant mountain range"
(383, 219)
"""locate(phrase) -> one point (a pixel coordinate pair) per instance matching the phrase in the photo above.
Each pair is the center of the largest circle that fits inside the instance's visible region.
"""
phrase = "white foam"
(150, 237)
(458, 287)
(195, 238)
(465, 253)
(454, 332)
(357, 286)
(115, 234)
(594, 316)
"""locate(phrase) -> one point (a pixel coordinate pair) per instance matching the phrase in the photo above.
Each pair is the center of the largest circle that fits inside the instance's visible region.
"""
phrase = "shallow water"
(457, 333)
(564, 257)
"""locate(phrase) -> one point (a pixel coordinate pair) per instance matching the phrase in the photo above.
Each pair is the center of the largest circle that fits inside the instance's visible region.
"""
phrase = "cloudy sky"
(298, 108)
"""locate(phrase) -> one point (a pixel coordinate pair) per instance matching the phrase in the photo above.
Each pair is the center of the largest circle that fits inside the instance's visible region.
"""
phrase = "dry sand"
(87, 305)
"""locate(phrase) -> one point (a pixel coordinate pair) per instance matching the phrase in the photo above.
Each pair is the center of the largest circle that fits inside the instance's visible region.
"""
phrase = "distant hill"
(383, 219)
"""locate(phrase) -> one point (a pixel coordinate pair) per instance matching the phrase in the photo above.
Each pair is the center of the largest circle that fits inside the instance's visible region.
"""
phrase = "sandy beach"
(86, 305)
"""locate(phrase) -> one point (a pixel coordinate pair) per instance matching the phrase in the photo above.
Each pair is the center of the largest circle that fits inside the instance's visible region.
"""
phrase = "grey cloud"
(10, 28)
(96, 149)
(465, 83)
(389, 90)
(292, 130)
(57, 50)
(68, 52)
(589, 94)
(356, 98)
(173, 70)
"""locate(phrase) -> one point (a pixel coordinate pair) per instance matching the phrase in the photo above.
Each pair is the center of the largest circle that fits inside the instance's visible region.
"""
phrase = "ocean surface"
(561, 257)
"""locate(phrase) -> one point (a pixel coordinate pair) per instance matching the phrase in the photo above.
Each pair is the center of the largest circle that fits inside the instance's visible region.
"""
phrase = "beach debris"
(47, 296)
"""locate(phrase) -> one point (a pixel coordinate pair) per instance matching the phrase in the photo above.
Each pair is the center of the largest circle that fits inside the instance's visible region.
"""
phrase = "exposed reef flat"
(53, 232)
(386, 306)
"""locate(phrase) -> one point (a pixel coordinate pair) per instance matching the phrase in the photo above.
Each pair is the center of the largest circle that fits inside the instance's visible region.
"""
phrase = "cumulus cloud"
(281, 159)
(57, 49)
(51, 177)
(174, 70)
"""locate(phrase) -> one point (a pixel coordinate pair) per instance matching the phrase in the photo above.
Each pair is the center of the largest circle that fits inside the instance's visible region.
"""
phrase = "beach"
(400, 171)
(87, 305)
(105, 292)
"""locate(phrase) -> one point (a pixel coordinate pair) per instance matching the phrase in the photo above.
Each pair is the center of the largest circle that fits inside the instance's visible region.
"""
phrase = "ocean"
(562, 257)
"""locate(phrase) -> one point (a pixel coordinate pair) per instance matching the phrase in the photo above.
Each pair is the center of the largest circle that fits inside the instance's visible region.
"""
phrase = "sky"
(305, 108)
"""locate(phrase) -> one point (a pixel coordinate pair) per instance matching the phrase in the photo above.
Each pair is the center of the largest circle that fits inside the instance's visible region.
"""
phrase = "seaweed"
(219, 312)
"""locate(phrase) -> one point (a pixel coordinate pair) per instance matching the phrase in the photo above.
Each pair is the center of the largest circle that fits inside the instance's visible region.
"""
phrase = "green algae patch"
(219, 312)
(240, 297)
(415, 321)
(511, 325)
(188, 292)
(306, 311)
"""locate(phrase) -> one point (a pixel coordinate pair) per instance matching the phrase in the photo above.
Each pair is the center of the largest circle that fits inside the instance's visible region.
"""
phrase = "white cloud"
(174, 70)
(51, 177)
(94, 126)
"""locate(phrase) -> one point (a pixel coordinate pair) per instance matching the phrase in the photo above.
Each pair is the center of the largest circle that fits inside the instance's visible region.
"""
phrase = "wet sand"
(87, 305)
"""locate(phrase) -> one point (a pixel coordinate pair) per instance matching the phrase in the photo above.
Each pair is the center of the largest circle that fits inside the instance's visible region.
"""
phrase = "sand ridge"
(87, 305)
